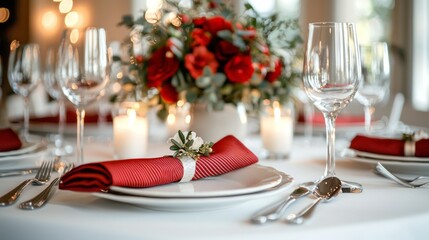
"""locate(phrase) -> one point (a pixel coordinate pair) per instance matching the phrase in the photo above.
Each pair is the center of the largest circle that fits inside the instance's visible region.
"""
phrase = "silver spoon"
(325, 190)
(278, 212)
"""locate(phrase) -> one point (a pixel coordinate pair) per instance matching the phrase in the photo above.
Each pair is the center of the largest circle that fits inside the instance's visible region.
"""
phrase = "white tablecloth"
(384, 210)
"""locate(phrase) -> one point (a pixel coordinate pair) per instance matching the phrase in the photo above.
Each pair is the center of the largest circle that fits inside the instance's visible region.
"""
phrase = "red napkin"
(9, 140)
(342, 120)
(228, 154)
(70, 118)
(388, 146)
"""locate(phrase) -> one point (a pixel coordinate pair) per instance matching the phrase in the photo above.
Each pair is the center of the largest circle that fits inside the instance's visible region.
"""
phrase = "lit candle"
(277, 131)
(178, 118)
(130, 134)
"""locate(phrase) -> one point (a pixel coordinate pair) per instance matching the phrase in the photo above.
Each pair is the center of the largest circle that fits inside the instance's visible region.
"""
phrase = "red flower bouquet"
(205, 53)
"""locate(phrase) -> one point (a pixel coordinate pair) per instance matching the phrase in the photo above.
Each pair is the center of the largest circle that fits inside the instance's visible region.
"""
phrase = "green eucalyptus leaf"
(225, 34)
(179, 145)
(203, 81)
(189, 143)
(219, 79)
(182, 137)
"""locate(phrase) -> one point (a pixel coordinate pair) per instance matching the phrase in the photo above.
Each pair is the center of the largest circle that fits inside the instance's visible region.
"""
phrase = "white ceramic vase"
(213, 125)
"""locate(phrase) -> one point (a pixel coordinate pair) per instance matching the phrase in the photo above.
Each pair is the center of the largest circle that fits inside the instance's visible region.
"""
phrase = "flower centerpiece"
(206, 53)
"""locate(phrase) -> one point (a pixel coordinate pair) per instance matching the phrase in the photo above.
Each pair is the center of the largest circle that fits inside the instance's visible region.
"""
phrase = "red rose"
(239, 69)
(199, 22)
(198, 59)
(139, 59)
(161, 66)
(168, 93)
(272, 76)
(216, 24)
(225, 50)
(200, 37)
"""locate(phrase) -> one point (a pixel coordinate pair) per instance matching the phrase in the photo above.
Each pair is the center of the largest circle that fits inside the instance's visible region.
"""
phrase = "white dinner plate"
(31, 159)
(199, 203)
(387, 157)
(249, 179)
(25, 148)
(394, 165)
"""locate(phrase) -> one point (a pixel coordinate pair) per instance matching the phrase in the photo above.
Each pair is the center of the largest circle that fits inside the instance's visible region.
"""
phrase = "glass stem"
(369, 110)
(62, 122)
(26, 118)
(80, 113)
(308, 118)
(330, 139)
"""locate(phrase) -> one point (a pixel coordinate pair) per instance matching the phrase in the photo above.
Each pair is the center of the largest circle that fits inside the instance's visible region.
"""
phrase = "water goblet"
(52, 86)
(24, 75)
(331, 75)
(83, 80)
(376, 79)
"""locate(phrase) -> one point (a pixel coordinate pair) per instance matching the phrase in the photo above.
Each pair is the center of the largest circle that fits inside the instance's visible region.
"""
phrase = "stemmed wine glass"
(24, 75)
(331, 76)
(52, 86)
(83, 80)
(376, 78)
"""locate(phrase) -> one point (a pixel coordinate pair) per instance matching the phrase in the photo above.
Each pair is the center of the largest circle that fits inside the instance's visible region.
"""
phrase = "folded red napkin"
(228, 154)
(9, 140)
(388, 146)
(342, 120)
(90, 117)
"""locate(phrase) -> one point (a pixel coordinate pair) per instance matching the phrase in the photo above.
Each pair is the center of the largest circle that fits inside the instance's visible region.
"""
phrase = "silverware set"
(42, 177)
(325, 190)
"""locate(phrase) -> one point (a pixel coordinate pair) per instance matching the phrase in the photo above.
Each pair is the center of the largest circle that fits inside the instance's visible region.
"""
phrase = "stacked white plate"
(29, 155)
(401, 164)
(249, 183)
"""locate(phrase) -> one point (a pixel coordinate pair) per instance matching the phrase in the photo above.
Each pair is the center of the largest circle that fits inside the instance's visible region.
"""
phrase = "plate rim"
(151, 192)
(376, 156)
(25, 148)
(197, 203)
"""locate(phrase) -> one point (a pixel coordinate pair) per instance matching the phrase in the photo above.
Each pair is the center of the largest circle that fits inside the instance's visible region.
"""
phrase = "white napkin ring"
(189, 166)
(410, 148)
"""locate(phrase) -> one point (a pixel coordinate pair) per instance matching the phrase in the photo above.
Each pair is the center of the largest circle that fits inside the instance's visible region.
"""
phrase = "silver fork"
(41, 178)
(380, 169)
(43, 197)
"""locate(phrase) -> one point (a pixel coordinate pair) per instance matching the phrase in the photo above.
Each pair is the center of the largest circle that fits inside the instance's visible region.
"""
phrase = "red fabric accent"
(342, 120)
(387, 146)
(228, 155)
(9, 140)
(70, 118)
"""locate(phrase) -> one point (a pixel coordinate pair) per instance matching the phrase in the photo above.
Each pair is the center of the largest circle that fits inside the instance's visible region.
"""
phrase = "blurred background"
(404, 24)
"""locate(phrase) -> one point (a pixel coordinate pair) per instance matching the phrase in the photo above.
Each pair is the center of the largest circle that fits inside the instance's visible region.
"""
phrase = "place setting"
(139, 182)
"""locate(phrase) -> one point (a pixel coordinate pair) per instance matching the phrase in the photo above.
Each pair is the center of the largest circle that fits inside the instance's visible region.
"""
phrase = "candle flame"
(131, 113)
(171, 119)
(277, 111)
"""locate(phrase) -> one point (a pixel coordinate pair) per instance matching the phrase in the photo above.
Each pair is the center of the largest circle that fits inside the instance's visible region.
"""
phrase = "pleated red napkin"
(388, 146)
(228, 154)
(342, 120)
(9, 140)
(70, 118)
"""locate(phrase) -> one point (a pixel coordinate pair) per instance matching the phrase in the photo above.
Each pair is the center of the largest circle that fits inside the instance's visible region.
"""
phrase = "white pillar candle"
(277, 133)
(130, 134)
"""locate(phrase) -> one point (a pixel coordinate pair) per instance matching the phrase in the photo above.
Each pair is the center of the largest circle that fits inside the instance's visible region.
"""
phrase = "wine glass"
(376, 78)
(83, 80)
(24, 75)
(331, 76)
(52, 86)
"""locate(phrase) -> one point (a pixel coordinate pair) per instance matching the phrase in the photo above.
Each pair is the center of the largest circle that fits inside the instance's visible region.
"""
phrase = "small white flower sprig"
(415, 136)
(189, 144)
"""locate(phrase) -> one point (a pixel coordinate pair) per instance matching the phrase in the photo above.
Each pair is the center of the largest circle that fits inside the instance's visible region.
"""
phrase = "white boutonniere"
(189, 144)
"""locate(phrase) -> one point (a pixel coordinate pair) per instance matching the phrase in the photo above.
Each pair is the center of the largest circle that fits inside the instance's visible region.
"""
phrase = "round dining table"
(383, 210)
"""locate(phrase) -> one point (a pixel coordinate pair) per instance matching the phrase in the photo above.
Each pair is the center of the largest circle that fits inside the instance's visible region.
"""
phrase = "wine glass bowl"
(24, 75)
(331, 75)
(376, 78)
(83, 74)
